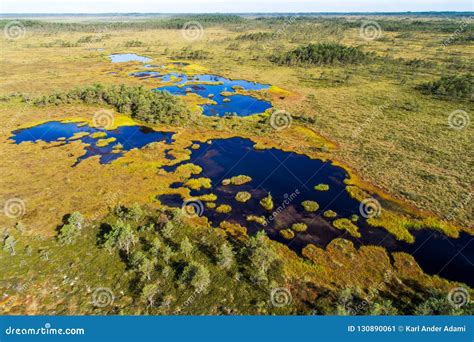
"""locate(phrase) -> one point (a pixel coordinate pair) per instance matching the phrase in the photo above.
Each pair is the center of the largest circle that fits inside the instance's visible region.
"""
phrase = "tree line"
(320, 54)
(139, 102)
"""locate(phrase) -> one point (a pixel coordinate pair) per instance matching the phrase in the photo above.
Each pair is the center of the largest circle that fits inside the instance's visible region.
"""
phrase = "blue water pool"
(125, 138)
(128, 57)
(290, 178)
(219, 89)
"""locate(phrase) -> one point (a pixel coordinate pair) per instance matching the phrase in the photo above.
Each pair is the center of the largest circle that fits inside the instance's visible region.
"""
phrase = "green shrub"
(299, 227)
(330, 214)
(347, 225)
(321, 54)
(321, 187)
(259, 219)
(71, 230)
(196, 275)
(198, 183)
(134, 43)
(243, 196)
(255, 36)
(287, 234)
(450, 87)
(267, 202)
(121, 237)
(224, 209)
(310, 206)
(237, 180)
(141, 103)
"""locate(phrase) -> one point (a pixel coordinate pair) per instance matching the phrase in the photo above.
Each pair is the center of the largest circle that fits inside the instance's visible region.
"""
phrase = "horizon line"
(237, 13)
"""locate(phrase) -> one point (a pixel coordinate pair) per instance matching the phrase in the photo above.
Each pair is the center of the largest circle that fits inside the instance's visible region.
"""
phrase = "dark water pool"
(129, 137)
(213, 87)
(292, 177)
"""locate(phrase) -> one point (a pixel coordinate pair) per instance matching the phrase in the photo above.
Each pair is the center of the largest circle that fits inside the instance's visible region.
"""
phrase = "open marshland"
(221, 164)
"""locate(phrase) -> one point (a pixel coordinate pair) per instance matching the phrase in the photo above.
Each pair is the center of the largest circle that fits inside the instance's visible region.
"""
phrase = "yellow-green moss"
(105, 142)
(210, 205)
(347, 225)
(235, 230)
(97, 135)
(399, 225)
(237, 180)
(321, 187)
(267, 202)
(188, 169)
(208, 198)
(224, 209)
(299, 227)
(310, 206)
(287, 234)
(259, 219)
(79, 135)
(198, 183)
(243, 196)
(330, 214)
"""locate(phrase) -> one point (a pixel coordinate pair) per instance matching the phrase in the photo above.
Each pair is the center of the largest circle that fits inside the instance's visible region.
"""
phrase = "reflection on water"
(290, 178)
(108, 144)
(128, 57)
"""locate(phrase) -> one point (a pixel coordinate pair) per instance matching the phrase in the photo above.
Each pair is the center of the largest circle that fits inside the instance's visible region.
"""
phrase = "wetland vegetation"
(186, 175)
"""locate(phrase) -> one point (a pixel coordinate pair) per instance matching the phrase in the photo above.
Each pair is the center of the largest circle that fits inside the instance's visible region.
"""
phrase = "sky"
(233, 6)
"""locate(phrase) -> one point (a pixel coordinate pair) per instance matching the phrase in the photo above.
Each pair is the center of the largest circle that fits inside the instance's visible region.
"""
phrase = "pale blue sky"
(210, 6)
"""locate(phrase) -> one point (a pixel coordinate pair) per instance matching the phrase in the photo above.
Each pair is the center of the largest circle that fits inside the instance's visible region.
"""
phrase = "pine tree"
(225, 257)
